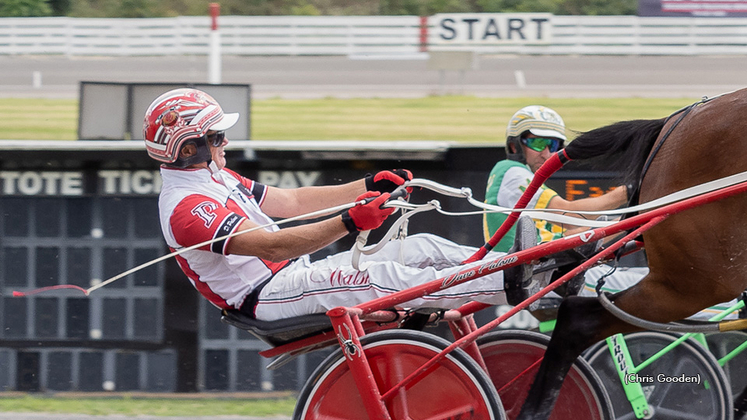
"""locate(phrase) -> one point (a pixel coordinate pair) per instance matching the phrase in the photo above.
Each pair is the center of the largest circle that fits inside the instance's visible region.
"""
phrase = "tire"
(509, 353)
(711, 399)
(455, 388)
(720, 344)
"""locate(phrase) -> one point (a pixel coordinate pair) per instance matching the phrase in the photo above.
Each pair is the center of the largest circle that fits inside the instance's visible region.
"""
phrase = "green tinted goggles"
(539, 144)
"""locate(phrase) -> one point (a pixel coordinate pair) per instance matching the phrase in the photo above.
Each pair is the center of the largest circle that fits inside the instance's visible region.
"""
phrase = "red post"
(423, 33)
(347, 337)
(463, 327)
(214, 13)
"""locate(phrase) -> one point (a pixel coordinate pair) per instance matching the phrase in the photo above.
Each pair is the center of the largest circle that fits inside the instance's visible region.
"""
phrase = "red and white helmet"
(180, 116)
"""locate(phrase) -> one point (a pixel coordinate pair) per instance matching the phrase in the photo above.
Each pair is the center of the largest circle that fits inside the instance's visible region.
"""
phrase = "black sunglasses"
(216, 138)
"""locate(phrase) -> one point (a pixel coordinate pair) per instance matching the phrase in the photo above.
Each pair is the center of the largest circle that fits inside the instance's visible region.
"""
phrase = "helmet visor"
(545, 132)
(226, 122)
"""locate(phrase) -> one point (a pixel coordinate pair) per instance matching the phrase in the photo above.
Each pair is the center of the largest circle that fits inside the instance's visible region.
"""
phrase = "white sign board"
(484, 29)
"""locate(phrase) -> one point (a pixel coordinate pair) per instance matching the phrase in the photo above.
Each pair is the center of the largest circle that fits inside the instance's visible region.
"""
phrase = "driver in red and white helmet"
(177, 124)
(267, 273)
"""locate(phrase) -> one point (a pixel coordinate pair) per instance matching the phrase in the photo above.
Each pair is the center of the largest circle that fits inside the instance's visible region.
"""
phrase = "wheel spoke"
(464, 411)
(668, 413)
(331, 393)
(513, 358)
(627, 416)
(326, 417)
(669, 400)
(665, 389)
(661, 391)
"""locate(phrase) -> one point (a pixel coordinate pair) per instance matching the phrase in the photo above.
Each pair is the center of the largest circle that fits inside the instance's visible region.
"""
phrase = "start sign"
(490, 28)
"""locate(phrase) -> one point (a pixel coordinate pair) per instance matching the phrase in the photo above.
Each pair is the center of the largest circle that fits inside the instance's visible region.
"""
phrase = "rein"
(409, 209)
(318, 213)
(398, 228)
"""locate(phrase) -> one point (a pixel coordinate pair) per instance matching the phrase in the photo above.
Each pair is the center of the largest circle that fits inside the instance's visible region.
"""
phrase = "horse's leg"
(582, 321)
(740, 404)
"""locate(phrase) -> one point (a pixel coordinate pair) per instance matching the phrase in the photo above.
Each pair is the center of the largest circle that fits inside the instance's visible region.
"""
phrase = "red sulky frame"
(348, 327)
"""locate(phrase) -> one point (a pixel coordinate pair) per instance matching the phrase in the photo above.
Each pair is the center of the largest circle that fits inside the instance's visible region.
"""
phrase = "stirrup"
(560, 263)
(520, 282)
(564, 261)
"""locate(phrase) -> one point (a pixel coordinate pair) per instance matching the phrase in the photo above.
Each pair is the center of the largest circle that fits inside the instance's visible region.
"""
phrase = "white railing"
(323, 35)
(647, 36)
(359, 35)
(240, 35)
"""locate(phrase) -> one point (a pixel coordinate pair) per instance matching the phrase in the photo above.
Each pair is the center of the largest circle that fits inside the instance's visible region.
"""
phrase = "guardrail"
(362, 35)
(632, 35)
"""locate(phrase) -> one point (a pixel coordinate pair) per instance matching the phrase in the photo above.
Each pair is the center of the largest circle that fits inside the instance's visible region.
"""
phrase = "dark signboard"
(715, 8)
(78, 213)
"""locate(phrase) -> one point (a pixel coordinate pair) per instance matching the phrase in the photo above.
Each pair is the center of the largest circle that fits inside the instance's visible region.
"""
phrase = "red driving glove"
(388, 181)
(367, 216)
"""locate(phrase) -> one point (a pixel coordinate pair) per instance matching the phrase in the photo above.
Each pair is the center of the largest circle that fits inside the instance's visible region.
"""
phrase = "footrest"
(283, 331)
(564, 261)
(573, 256)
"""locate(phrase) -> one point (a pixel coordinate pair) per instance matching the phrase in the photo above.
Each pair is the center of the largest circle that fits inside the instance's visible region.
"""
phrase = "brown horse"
(697, 258)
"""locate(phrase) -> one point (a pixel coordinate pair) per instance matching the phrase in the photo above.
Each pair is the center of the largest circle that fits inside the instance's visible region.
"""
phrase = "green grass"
(38, 119)
(446, 118)
(131, 406)
(450, 118)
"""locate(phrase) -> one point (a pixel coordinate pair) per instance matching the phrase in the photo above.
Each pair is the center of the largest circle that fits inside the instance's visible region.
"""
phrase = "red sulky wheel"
(456, 388)
(512, 358)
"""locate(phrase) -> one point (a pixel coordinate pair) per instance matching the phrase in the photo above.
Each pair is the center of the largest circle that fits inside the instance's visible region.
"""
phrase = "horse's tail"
(622, 146)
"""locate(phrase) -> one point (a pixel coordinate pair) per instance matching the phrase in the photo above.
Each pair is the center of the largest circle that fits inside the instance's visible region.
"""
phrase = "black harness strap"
(635, 195)
(683, 113)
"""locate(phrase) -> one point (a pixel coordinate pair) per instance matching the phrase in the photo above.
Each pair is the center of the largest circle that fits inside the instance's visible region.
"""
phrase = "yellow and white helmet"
(536, 119)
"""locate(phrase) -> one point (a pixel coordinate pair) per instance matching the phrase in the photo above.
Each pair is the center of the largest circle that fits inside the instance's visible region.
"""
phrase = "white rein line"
(546, 213)
(464, 192)
(550, 215)
(314, 214)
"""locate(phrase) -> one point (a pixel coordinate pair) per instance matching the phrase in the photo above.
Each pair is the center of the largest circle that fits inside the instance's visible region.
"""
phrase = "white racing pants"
(306, 288)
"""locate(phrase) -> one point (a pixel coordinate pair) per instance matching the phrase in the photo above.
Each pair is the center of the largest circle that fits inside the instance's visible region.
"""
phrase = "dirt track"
(303, 77)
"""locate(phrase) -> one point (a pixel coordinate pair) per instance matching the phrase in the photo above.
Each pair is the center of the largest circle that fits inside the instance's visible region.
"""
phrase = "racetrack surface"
(382, 76)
